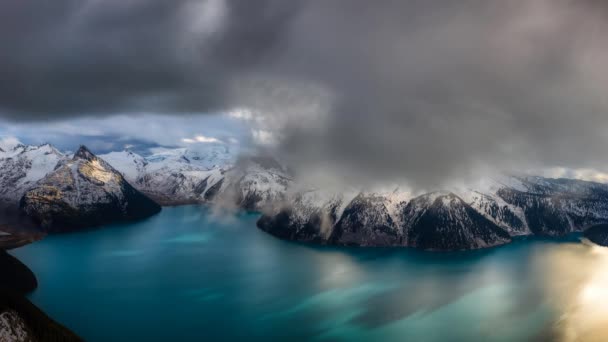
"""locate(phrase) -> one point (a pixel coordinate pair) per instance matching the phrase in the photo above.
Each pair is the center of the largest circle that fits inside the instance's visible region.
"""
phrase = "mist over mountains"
(349, 92)
(72, 191)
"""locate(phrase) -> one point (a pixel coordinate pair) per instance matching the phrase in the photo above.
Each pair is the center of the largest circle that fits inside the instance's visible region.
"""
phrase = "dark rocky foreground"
(16, 276)
(20, 320)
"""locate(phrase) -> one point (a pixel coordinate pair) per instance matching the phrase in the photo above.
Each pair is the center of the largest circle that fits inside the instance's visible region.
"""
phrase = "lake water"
(188, 275)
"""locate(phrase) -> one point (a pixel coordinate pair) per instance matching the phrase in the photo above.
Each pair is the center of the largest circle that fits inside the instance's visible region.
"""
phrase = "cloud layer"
(352, 90)
(71, 57)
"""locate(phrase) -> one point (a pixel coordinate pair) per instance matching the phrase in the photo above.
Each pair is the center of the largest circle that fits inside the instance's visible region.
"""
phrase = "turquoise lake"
(187, 275)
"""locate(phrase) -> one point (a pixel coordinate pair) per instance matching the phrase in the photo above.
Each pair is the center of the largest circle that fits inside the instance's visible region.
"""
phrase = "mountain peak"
(9, 143)
(83, 153)
(85, 191)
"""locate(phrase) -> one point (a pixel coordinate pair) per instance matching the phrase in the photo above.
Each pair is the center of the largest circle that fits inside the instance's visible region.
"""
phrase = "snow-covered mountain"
(171, 176)
(254, 183)
(487, 215)
(84, 191)
(450, 220)
(22, 166)
(181, 176)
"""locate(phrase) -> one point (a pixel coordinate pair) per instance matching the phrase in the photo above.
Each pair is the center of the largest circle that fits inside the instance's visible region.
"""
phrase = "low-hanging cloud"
(409, 91)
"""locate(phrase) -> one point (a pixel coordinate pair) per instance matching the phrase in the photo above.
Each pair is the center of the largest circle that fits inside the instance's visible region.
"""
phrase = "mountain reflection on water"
(186, 275)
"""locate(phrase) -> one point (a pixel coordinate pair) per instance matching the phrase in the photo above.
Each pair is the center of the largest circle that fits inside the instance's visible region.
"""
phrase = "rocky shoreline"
(598, 234)
(20, 320)
(22, 279)
(444, 221)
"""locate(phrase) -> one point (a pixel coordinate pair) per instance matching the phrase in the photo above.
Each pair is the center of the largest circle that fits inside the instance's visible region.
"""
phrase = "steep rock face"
(556, 207)
(446, 222)
(542, 213)
(309, 217)
(437, 221)
(21, 167)
(82, 192)
(283, 226)
(366, 221)
(497, 210)
(467, 219)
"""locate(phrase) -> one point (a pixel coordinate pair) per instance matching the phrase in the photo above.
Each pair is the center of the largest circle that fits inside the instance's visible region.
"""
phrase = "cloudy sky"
(414, 91)
(133, 131)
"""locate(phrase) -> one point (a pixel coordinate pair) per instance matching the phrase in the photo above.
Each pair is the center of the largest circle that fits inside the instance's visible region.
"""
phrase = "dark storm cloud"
(430, 92)
(68, 57)
(420, 91)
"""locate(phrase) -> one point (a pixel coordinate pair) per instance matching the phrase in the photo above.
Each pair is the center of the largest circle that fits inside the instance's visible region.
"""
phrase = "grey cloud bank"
(70, 57)
(422, 92)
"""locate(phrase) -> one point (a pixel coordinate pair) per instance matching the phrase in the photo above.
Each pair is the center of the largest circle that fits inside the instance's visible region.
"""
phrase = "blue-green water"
(187, 275)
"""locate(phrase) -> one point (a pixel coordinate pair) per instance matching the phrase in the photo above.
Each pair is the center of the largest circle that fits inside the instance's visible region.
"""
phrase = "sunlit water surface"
(187, 275)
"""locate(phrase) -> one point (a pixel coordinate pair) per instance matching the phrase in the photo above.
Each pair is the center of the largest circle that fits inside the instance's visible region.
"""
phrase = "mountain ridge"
(469, 218)
(81, 192)
(447, 220)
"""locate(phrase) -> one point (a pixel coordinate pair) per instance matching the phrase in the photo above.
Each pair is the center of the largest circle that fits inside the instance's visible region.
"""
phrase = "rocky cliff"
(451, 220)
(84, 191)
